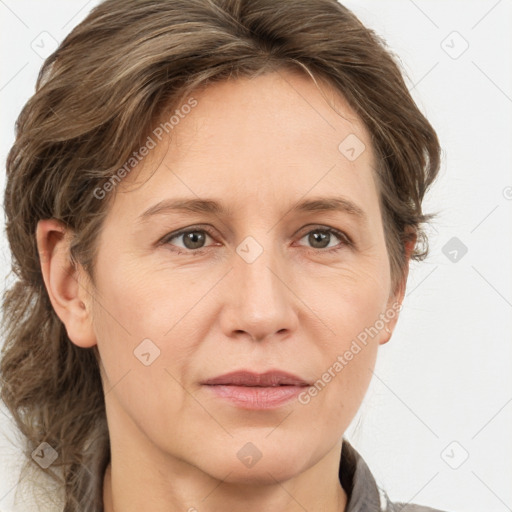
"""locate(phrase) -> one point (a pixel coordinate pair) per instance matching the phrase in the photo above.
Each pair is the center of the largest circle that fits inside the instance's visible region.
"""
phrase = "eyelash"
(345, 239)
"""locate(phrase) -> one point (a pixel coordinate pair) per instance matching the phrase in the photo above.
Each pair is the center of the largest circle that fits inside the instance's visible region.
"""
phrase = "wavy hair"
(97, 98)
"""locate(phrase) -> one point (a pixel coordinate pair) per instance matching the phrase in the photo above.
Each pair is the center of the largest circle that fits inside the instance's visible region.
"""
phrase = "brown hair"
(97, 98)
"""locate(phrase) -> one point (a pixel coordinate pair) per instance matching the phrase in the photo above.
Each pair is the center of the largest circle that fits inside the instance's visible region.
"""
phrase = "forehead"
(264, 136)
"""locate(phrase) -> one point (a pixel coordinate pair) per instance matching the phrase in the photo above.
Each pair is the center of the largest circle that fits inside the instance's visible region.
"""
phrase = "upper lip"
(247, 378)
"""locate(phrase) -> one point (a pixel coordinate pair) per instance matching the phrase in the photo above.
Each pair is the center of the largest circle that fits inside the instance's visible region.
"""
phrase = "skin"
(260, 146)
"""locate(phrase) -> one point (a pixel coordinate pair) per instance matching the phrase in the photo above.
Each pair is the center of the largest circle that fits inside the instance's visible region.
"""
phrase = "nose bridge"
(261, 302)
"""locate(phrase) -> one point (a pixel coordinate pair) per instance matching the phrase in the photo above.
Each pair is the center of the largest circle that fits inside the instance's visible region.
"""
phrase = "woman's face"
(258, 285)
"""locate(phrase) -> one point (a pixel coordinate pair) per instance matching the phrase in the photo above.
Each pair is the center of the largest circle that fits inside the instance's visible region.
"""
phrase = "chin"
(257, 463)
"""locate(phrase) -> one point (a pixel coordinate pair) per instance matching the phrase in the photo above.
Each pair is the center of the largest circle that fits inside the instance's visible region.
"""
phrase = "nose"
(260, 303)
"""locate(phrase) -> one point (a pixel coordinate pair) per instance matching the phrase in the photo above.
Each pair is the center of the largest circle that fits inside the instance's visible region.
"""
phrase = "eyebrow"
(213, 207)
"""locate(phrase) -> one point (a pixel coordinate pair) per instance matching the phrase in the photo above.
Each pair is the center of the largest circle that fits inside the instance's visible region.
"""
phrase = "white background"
(444, 380)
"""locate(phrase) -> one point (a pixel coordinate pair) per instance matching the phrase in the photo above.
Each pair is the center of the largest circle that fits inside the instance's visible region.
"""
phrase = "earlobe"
(64, 282)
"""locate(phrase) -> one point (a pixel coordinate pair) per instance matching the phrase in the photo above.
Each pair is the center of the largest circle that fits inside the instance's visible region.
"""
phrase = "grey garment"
(363, 494)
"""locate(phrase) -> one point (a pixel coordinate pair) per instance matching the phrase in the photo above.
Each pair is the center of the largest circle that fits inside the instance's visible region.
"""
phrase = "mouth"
(249, 390)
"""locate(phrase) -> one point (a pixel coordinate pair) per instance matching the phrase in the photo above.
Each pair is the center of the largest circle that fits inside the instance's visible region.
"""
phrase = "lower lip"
(254, 397)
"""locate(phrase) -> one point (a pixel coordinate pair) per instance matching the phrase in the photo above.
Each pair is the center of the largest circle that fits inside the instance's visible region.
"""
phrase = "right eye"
(193, 240)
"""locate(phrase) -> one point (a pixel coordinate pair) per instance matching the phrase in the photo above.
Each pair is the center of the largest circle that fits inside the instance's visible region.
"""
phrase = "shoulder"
(407, 507)
(364, 494)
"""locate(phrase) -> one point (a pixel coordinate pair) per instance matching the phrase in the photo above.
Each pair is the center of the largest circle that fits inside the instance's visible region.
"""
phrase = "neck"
(169, 476)
(123, 493)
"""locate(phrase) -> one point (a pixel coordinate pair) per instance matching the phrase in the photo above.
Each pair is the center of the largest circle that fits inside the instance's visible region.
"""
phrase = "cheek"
(348, 300)
(136, 321)
(143, 315)
(134, 299)
(345, 366)
(350, 308)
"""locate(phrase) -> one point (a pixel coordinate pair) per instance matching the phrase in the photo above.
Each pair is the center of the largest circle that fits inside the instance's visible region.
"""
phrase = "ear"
(66, 282)
(395, 301)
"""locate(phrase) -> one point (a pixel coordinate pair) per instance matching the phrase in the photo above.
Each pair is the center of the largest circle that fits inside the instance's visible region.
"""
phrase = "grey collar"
(362, 491)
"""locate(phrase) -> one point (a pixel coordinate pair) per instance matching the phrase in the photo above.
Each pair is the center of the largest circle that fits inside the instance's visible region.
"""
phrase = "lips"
(246, 378)
(256, 391)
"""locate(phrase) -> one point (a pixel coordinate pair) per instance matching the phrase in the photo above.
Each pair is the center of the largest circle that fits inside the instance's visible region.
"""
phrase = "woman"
(211, 207)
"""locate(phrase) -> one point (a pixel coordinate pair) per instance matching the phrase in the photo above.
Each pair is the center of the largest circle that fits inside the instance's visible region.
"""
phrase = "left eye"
(319, 238)
(193, 240)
